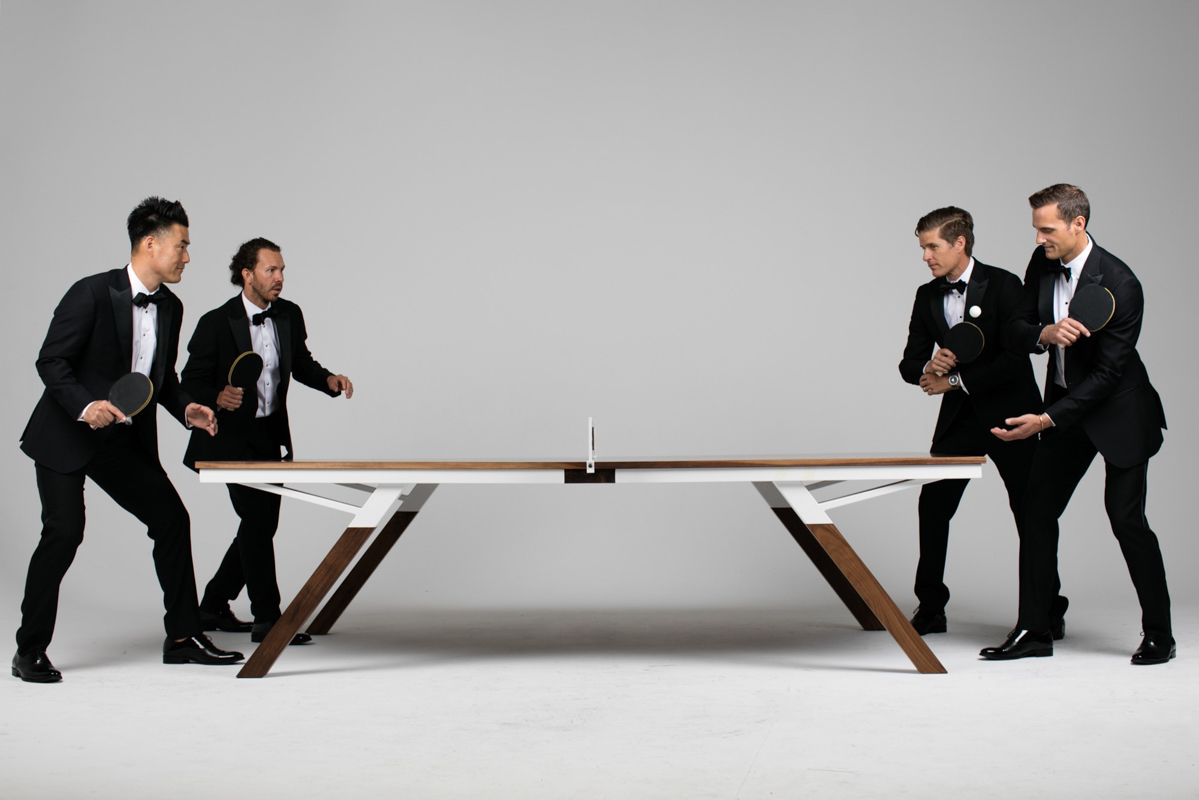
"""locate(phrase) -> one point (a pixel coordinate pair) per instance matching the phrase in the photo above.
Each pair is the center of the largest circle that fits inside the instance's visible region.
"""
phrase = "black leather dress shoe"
(261, 629)
(197, 649)
(929, 621)
(1156, 648)
(35, 667)
(1021, 644)
(223, 620)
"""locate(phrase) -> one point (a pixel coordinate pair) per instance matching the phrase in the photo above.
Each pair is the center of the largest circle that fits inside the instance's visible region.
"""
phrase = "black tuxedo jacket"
(221, 336)
(1108, 389)
(88, 347)
(1001, 378)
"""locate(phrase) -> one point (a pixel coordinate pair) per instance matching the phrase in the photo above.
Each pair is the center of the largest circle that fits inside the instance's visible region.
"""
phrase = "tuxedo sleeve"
(68, 335)
(1113, 348)
(172, 396)
(1008, 364)
(200, 376)
(920, 345)
(304, 367)
(1023, 333)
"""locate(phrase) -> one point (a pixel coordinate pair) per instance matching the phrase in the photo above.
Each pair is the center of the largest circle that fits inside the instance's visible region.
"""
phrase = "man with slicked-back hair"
(974, 396)
(1098, 400)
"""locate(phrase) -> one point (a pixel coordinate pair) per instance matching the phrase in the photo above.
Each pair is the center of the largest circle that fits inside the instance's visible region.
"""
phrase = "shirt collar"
(136, 285)
(965, 276)
(252, 309)
(1076, 264)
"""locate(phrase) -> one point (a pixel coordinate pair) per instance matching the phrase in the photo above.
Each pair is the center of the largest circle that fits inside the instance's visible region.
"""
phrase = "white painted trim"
(383, 476)
(799, 474)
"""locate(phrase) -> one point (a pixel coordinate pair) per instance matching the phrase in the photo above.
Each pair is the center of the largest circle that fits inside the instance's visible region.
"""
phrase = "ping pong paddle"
(130, 394)
(245, 371)
(1093, 306)
(965, 340)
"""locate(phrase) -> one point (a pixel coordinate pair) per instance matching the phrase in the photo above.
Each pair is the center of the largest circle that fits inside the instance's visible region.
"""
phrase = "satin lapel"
(122, 315)
(1090, 271)
(976, 290)
(937, 309)
(239, 324)
(165, 313)
(283, 327)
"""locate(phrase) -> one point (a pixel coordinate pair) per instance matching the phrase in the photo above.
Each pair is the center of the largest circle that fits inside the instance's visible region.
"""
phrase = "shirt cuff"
(83, 413)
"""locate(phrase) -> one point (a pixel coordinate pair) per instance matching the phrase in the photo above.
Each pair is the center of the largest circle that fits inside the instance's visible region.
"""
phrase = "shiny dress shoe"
(223, 620)
(1156, 648)
(35, 667)
(926, 622)
(1021, 644)
(197, 649)
(261, 629)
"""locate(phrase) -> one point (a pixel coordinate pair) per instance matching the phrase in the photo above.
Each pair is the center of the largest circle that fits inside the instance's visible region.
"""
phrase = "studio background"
(691, 221)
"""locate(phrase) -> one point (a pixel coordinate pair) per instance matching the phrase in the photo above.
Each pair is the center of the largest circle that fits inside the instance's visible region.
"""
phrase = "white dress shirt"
(955, 301)
(145, 328)
(145, 333)
(954, 307)
(265, 340)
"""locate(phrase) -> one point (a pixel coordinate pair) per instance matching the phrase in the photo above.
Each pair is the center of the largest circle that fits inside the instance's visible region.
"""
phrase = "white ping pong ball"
(976, 312)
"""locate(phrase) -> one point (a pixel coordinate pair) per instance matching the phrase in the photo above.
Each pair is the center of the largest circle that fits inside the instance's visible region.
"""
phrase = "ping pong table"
(800, 491)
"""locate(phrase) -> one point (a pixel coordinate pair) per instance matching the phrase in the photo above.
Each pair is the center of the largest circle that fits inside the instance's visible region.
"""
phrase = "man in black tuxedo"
(105, 326)
(975, 396)
(254, 424)
(1098, 399)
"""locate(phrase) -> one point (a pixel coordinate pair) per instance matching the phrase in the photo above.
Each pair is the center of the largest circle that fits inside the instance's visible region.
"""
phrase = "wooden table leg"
(844, 570)
(309, 597)
(829, 569)
(867, 587)
(362, 571)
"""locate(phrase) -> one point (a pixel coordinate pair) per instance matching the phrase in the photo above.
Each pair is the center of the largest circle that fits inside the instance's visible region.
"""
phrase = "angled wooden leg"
(361, 572)
(374, 555)
(839, 557)
(310, 595)
(829, 570)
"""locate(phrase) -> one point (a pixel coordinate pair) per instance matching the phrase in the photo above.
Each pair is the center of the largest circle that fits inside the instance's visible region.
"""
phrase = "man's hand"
(230, 398)
(340, 383)
(934, 384)
(944, 361)
(1022, 427)
(1064, 333)
(201, 417)
(101, 414)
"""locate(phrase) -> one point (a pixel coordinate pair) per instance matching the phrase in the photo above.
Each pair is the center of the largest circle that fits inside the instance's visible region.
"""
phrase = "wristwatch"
(954, 380)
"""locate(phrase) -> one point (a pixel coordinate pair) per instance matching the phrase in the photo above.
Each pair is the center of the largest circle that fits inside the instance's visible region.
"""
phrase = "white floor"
(659, 703)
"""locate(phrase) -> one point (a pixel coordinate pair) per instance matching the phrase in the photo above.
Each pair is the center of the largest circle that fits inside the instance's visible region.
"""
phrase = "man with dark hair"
(105, 326)
(254, 423)
(1098, 399)
(974, 396)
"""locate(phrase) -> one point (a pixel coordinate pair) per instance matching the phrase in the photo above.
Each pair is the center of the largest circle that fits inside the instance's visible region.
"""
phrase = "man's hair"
(953, 222)
(153, 216)
(1071, 202)
(247, 256)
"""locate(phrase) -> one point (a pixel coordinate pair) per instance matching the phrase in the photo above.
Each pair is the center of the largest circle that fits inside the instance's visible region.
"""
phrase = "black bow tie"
(946, 286)
(1058, 269)
(258, 319)
(142, 299)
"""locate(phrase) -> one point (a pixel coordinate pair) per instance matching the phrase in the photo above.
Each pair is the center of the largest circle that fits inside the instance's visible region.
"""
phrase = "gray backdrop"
(692, 221)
